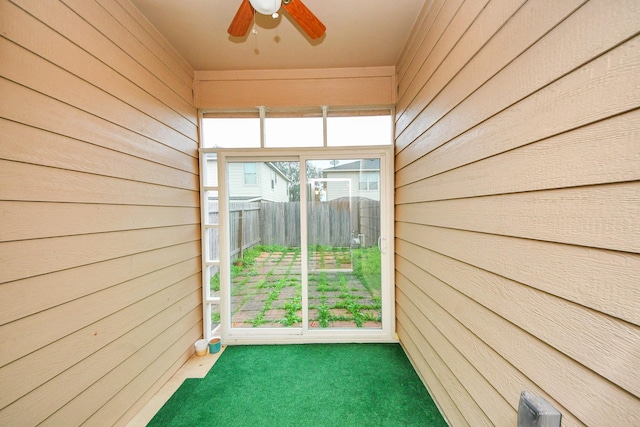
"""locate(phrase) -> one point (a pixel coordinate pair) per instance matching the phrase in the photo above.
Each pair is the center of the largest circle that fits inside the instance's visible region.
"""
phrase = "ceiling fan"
(298, 11)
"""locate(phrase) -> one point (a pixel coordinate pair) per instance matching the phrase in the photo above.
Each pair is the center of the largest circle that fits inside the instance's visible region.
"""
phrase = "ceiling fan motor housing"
(266, 7)
(296, 9)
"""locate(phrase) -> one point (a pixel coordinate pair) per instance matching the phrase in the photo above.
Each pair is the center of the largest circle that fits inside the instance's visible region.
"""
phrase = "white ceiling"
(360, 33)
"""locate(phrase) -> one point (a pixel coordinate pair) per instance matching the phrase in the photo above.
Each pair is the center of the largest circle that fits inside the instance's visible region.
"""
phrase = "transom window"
(320, 127)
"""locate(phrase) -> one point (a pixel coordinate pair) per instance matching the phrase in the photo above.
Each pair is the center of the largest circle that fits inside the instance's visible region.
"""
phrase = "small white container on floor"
(201, 347)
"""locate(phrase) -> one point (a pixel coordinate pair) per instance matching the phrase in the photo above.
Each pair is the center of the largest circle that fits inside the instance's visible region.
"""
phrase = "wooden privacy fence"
(279, 224)
(244, 229)
(332, 223)
(369, 221)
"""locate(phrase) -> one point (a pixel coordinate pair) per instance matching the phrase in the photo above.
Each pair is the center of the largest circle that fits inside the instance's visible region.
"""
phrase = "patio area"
(266, 288)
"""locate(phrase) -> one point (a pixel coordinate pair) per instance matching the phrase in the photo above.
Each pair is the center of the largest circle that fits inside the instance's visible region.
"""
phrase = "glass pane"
(294, 132)
(242, 132)
(212, 245)
(212, 215)
(359, 130)
(264, 232)
(214, 312)
(210, 172)
(212, 278)
(343, 223)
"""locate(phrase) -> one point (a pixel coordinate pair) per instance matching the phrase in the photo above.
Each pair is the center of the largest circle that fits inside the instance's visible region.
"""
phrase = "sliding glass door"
(264, 244)
(343, 231)
(303, 253)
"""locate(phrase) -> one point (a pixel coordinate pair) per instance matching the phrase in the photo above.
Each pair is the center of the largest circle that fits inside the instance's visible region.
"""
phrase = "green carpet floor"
(304, 385)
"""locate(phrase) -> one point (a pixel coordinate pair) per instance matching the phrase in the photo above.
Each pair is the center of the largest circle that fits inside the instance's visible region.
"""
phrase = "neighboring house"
(255, 181)
(364, 176)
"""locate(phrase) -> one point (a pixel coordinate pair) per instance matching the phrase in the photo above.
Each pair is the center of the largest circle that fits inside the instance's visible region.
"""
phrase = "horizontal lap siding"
(518, 207)
(100, 296)
(299, 88)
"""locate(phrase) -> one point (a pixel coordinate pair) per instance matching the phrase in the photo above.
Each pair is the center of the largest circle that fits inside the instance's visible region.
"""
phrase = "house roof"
(278, 171)
(358, 165)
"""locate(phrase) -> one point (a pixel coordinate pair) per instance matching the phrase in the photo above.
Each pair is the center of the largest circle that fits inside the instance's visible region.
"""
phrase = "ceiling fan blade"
(242, 21)
(305, 18)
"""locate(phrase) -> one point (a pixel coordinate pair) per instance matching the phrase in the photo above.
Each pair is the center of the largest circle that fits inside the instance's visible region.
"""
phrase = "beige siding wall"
(374, 86)
(518, 207)
(99, 219)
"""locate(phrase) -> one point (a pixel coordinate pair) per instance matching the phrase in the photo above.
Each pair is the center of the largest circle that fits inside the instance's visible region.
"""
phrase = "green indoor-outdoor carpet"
(304, 385)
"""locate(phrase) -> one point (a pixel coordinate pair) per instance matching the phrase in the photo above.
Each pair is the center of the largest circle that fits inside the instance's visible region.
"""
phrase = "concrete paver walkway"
(267, 294)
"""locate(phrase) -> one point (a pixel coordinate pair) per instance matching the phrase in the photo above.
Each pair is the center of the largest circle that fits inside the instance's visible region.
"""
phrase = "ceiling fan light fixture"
(266, 7)
(246, 15)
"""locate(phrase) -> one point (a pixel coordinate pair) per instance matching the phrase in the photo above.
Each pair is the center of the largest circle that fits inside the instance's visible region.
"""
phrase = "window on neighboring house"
(369, 181)
(250, 175)
(273, 180)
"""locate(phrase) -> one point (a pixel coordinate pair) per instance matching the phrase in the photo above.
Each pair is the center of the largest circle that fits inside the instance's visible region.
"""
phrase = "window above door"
(312, 128)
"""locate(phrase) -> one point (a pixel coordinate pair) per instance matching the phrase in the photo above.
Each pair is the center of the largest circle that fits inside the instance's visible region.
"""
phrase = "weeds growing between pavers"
(266, 288)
